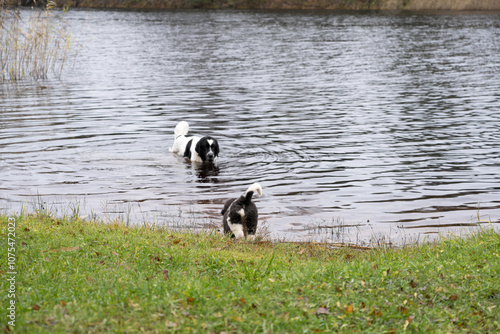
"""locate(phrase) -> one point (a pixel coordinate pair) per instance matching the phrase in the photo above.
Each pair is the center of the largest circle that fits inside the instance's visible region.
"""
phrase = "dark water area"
(359, 126)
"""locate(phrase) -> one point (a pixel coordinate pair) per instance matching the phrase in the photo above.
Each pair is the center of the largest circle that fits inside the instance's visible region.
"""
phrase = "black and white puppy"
(241, 215)
(194, 148)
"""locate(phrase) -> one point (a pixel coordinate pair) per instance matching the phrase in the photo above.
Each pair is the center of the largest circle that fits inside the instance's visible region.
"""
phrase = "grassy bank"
(80, 276)
(280, 4)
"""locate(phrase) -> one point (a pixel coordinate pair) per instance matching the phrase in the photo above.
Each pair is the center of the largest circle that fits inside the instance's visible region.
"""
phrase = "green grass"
(79, 276)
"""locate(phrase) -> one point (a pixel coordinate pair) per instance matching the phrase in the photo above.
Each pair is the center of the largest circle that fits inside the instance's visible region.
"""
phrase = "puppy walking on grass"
(241, 215)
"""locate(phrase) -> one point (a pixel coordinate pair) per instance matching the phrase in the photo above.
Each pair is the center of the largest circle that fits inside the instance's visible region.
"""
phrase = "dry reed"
(34, 45)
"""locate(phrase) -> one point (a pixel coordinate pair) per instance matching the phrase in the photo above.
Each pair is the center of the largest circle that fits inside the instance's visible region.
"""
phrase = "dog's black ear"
(187, 152)
(216, 148)
(226, 206)
(198, 147)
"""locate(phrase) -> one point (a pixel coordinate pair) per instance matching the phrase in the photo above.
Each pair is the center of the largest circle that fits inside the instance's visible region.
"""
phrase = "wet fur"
(241, 214)
(194, 148)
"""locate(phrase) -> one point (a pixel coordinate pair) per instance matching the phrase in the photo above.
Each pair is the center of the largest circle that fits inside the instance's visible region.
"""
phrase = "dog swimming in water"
(196, 149)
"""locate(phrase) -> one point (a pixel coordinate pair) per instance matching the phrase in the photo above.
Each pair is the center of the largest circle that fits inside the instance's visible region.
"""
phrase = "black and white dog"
(194, 148)
(241, 215)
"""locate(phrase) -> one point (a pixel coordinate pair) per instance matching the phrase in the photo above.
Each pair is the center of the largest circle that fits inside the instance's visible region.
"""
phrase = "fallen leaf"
(66, 249)
(190, 300)
(237, 318)
(243, 301)
(165, 274)
(349, 309)
(187, 314)
(453, 297)
(176, 241)
(155, 259)
(35, 307)
(402, 309)
(322, 310)
(408, 320)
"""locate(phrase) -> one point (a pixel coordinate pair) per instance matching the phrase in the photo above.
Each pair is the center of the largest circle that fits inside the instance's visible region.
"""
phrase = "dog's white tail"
(254, 187)
(181, 129)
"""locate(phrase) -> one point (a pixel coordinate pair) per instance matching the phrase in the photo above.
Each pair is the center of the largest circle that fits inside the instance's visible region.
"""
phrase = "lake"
(361, 127)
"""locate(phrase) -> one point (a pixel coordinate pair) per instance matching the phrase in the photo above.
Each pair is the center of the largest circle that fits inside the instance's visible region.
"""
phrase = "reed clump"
(33, 44)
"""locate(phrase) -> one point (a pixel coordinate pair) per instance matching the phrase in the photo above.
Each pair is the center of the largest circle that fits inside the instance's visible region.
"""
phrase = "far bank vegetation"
(455, 5)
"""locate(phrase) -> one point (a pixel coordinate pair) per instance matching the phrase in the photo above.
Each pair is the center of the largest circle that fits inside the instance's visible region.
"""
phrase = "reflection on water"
(357, 125)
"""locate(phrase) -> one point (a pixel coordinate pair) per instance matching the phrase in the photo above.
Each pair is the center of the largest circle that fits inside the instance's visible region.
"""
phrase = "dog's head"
(208, 149)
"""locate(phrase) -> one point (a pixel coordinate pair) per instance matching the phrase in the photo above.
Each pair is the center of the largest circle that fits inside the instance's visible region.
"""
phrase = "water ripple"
(386, 123)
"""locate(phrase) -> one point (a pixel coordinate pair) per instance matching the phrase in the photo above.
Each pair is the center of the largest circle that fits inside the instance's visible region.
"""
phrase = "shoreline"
(68, 275)
(409, 5)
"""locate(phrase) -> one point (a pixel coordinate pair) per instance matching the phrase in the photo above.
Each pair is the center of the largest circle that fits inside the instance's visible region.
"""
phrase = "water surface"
(358, 126)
